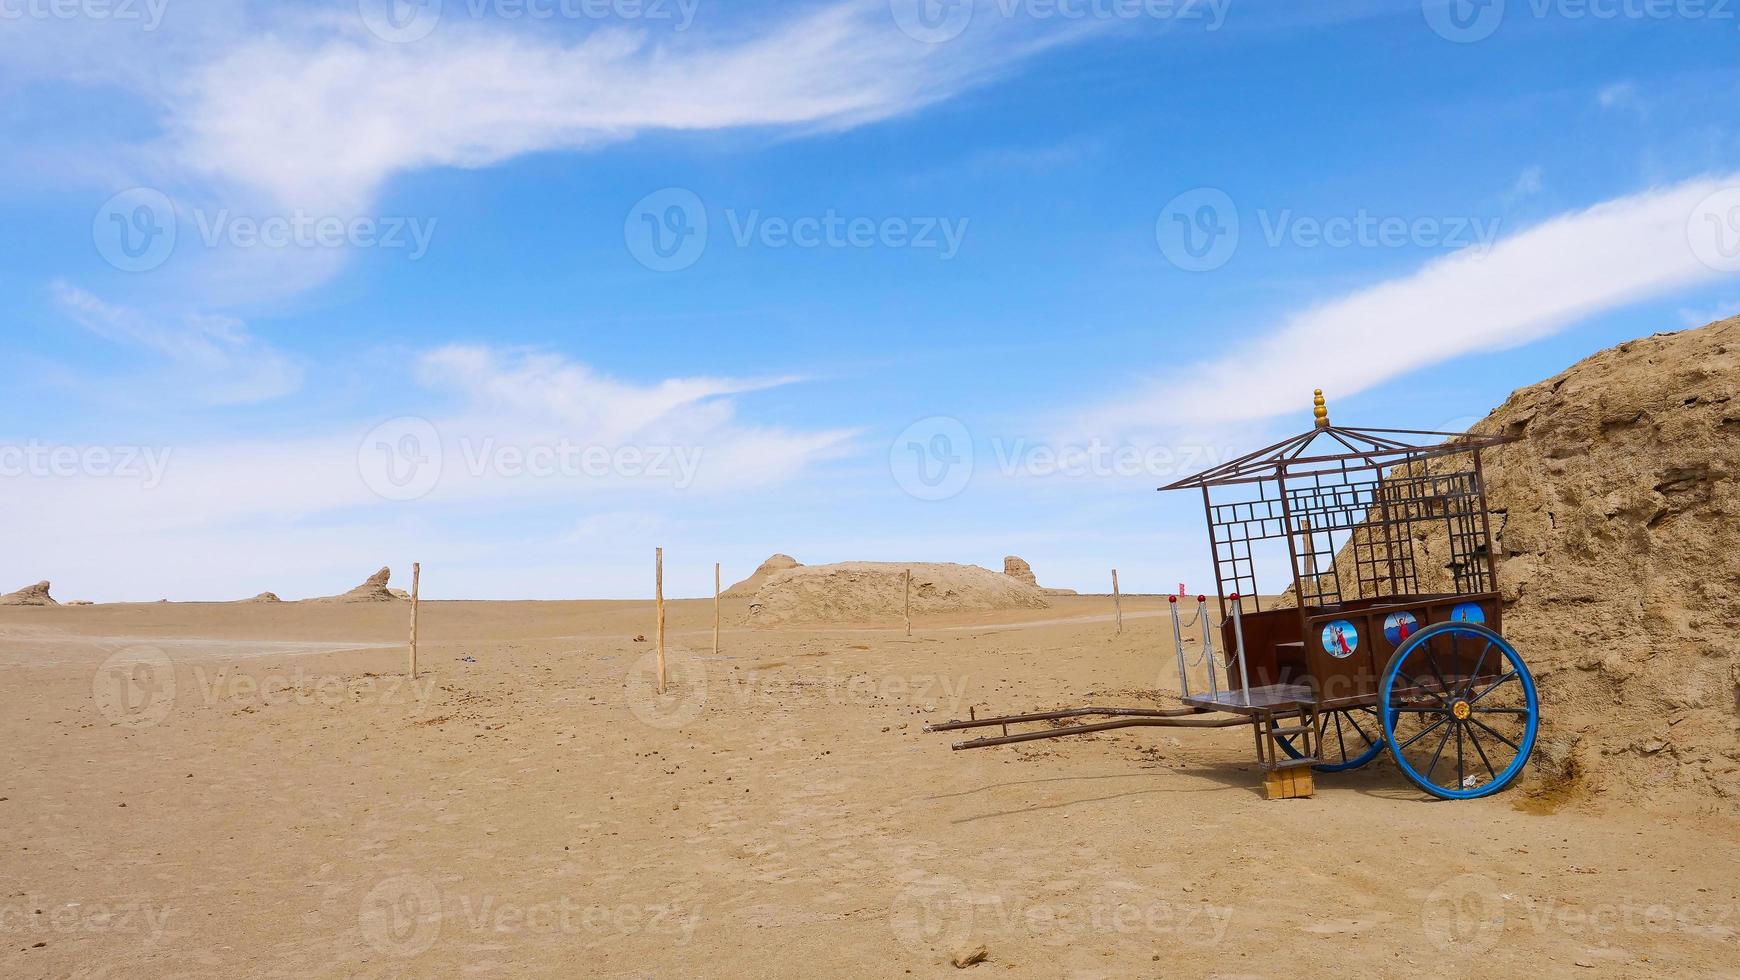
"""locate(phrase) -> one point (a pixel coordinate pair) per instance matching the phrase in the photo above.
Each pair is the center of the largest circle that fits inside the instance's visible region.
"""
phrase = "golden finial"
(1320, 409)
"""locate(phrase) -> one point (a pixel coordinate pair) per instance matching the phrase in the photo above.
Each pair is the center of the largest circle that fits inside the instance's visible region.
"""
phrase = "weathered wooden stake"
(909, 602)
(416, 575)
(659, 586)
(715, 609)
(1117, 600)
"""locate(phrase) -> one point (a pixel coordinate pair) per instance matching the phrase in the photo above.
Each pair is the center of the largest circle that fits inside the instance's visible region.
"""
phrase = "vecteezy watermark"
(404, 21)
(137, 230)
(1469, 915)
(31, 915)
(667, 231)
(1467, 21)
(303, 230)
(148, 14)
(1200, 230)
(942, 911)
(1098, 459)
(135, 687)
(1713, 230)
(689, 689)
(145, 464)
(932, 459)
(404, 916)
(139, 687)
(938, 21)
(404, 459)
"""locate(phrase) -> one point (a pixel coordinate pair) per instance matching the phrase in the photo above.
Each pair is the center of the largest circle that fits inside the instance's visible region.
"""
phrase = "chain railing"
(1202, 618)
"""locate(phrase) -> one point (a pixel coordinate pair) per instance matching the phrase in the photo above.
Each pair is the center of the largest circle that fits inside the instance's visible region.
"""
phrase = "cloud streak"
(1528, 286)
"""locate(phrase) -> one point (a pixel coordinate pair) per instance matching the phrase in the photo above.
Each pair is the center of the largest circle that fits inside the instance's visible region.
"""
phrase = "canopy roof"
(1329, 447)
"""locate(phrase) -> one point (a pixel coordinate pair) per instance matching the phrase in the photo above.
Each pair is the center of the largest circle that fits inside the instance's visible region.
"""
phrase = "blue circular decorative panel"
(1340, 638)
(1468, 612)
(1398, 626)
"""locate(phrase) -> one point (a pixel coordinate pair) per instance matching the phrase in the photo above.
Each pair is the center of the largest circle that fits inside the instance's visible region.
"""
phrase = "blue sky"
(932, 256)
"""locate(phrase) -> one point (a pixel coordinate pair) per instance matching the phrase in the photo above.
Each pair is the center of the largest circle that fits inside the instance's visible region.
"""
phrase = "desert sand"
(254, 790)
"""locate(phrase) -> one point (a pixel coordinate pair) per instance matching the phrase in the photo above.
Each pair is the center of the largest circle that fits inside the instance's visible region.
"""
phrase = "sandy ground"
(247, 790)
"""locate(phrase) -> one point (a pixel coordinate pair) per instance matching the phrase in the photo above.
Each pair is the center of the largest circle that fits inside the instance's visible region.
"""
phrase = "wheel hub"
(1461, 710)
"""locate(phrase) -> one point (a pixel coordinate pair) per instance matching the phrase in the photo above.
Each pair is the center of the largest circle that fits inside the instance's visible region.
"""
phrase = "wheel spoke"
(1506, 679)
(1443, 685)
(1489, 731)
(1484, 760)
(1357, 728)
(1338, 737)
(1439, 753)
(1416, 685)
(1477, 665)
(1524, 712)
(1460, 778)
(1427, 731)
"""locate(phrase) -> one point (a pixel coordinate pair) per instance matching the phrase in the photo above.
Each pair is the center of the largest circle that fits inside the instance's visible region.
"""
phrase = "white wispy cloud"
(1529, 285)
(322, 117)
(213, 357)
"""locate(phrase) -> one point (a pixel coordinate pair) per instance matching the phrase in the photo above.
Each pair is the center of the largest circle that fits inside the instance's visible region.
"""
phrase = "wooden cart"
(1390, 637)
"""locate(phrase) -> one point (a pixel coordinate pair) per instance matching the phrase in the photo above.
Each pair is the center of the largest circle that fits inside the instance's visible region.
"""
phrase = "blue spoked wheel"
(1347, 738)
(1461, 710)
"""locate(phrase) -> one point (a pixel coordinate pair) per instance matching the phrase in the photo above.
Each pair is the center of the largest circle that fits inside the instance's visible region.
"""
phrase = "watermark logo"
(836, 231)
(301, 229)
(685, 689)
(400, 21)
(666, 231)
(145, 464)
(1713, 230)
(1464, 915)
(147, 13)
(135, 687)
(1463, 21)
(940, 21)
(405, 458)
(1198, 230)
(932, 21)
(940, 911)
(134, 231)
(1201, 229)
(38, 914)
(932, 459)
(401, 459)
(936, 910)
(401, 916)
(404, 21)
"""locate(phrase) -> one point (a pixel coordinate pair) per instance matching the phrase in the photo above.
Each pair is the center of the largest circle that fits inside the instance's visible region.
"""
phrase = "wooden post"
(659, 586)
(909, 602)
(715, 609)
(1117, 600)
(416, 575)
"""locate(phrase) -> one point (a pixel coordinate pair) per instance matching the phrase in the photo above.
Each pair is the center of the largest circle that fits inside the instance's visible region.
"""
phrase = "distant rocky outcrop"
(876, 592)
(373, 589)
(768, 569)
(1020, 571)
(30, 595)
(263, 597)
